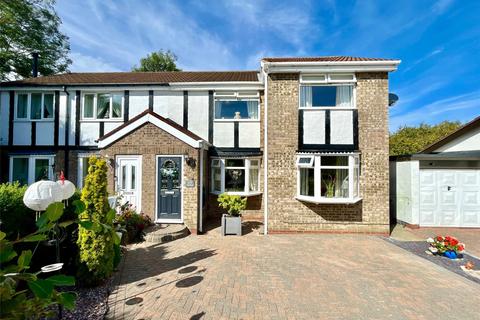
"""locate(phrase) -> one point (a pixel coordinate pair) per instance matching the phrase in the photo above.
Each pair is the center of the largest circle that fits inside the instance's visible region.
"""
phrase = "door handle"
(169, 192)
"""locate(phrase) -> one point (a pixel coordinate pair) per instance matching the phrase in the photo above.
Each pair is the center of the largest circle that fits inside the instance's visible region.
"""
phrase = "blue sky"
(437, 41)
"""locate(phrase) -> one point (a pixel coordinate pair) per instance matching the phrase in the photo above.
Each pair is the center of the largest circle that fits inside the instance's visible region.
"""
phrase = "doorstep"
(164, 232)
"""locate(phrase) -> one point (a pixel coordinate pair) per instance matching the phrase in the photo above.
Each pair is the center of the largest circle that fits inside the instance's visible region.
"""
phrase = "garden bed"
(91, 303)
(419, 248)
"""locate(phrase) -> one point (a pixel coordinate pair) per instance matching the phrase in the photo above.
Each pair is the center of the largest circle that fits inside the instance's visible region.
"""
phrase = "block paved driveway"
(287, 277)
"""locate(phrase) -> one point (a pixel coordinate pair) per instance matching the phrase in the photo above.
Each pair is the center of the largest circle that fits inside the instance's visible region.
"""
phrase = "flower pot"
(450, 254)
(231, 225)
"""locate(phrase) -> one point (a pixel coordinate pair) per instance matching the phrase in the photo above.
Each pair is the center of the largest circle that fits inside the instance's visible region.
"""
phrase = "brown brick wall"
(288, 214)
(150, 141)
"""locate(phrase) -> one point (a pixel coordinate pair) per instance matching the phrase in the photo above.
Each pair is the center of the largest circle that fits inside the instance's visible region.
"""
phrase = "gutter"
(331, 66)
(265, 154)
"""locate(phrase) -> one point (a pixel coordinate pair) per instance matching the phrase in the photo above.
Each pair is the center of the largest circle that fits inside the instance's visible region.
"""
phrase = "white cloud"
(85, 63)
(443, 109)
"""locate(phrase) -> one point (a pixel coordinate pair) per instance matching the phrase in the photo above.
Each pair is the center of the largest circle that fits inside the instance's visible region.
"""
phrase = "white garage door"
(450, 198)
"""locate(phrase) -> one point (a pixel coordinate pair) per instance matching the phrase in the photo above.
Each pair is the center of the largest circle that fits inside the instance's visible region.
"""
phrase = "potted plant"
(447, 246)
(330, 187)
(232, 222)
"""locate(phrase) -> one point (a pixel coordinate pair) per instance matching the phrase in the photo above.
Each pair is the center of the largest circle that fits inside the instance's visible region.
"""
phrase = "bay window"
(235, 176)
(34, 106)
(236, 106)
(102, 106)
(328, 178)
(29, 169)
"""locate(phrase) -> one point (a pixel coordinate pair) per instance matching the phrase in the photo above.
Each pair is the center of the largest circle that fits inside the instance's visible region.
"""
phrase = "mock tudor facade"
(305, 139)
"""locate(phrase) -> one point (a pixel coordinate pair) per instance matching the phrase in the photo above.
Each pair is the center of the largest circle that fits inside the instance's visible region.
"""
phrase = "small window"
(36, 106)
(234, 163)
(42, 168)
(305, 161)
(314, 78)
(341, 77)
(103, 106)
(20, 170)
(307, 182)
(88, 106)
(48, 106)
(22, 106)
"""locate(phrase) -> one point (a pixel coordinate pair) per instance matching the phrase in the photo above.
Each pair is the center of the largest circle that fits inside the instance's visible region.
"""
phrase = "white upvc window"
(34, 106)
(237, 106)
(102, 106)
(328, 178)
(327, 91)
(27, 169)
(82, 167)
(238, 176)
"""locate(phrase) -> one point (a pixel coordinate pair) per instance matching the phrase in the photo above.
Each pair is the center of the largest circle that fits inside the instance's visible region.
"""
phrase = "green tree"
(28, 26)
(409, 140)
(158, 61)
(96, 236)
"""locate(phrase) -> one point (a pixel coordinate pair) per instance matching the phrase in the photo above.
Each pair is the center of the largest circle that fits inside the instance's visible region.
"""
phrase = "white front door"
(129, 180)
(449, 198)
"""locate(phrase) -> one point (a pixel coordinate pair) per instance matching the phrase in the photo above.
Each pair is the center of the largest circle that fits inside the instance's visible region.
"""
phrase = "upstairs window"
(326, 96)
(102, 106)
(236, 106)
(35, 106)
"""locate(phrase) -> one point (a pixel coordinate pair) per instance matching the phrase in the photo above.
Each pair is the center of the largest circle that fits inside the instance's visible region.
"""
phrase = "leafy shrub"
(232, 203)
(133, 223)
(96, 236)
(16, 218)
(27, 295)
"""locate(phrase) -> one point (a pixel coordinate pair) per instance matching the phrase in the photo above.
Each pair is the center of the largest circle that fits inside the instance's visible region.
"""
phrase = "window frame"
(246, 167)
(236, 96)
(80, 168)
(328, 81)
(95, 118)
(31, 166)
(28, 117)
(353, 162)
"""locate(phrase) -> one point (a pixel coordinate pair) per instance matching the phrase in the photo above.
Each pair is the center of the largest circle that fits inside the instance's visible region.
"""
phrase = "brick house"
(305, 139)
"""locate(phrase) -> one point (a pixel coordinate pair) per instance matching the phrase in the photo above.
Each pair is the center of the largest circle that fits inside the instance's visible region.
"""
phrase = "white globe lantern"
(41, 194)
(68, 188)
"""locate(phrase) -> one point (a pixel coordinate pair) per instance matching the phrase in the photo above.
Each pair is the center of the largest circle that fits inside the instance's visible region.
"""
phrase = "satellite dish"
(392, 99)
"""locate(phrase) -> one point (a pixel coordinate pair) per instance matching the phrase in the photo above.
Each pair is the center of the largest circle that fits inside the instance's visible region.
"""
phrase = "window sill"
(102, 120)
(329, 200)
(236, 120)
(242, 194)
(34, 120)
(327, 108)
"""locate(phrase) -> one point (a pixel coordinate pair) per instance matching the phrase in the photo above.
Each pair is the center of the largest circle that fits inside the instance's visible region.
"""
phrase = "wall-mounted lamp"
(191, 162)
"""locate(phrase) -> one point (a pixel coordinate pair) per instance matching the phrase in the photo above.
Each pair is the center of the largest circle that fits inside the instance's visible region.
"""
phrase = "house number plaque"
(190, 183)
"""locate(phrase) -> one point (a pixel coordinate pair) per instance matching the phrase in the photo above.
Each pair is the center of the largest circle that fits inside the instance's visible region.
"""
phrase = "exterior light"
(41, 194)
(68, 188)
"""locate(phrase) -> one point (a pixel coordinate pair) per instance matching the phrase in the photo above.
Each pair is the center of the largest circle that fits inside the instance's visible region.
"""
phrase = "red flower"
(461, 247)
(448, 238)
(439, 238)
(453, 242)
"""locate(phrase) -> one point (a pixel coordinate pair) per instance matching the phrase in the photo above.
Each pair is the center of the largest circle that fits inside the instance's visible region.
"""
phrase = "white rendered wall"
(314, 127)
(169, 104)
(138, 102)
(407, 174)
(4, 116)
(198, 113)
(62, 118)
(89, 133)
(109, 126)
(467, 142)
(249, 134)
(223, 134)
(71, 134)
(45, 131)
(341, 127)
(22, 133)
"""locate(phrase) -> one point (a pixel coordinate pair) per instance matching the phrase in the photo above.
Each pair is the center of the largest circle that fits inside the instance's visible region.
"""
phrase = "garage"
(439, 186)
(450, 198)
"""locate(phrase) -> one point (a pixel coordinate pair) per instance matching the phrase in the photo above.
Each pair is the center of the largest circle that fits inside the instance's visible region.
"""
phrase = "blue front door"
(169, 180)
